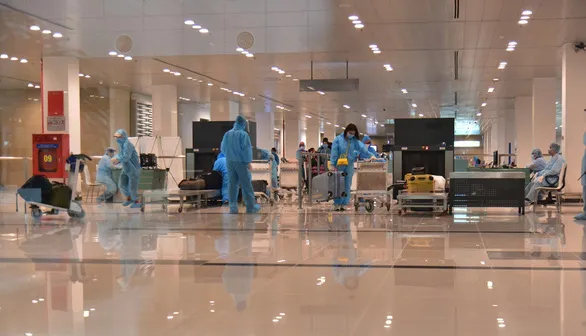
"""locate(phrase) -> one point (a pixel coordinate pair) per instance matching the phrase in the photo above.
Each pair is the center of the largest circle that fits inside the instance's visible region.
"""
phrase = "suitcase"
(212, 180)
(192, 184)
(148, 161)
(423, 183)
(36, 189)
(328, 186)
(260, 186)
(60, 195)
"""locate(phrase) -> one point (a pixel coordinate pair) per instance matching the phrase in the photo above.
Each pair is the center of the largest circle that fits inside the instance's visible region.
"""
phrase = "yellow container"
(419, 183)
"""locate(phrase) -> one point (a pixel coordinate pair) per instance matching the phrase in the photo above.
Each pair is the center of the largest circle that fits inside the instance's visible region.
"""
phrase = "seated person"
(548, 177)
(538, 163)
(221, 167)
(104, 175)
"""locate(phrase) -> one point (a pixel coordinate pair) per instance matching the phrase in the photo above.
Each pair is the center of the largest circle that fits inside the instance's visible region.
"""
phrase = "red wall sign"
(55, 103)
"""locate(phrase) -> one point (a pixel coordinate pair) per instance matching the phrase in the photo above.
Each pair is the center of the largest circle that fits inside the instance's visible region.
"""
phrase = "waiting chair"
(556, 191)
(91, 192)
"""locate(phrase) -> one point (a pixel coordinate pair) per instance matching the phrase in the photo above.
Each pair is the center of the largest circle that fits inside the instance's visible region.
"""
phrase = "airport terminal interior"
(292, 167)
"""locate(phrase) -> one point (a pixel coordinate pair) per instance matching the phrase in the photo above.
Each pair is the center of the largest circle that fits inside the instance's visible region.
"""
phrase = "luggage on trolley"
(328, 186)
(420, 183)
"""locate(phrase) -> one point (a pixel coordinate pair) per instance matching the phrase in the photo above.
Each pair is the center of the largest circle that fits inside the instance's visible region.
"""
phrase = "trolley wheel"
(388, 207)
(75, 214)
(369, 206)
(36, 213)
(180, 210)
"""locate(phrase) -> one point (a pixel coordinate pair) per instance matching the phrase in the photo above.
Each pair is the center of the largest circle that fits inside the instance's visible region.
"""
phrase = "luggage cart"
(372, 179)
(288, 176)
(261, 170)
(151, 180)
(430, 202)
(75, 210)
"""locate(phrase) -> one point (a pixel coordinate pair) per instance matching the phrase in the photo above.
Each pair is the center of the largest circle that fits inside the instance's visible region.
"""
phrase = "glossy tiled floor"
(292, 272)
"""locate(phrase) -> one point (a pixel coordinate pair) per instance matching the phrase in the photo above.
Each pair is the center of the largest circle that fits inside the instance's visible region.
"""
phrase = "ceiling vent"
(245, 40)
(123, 43)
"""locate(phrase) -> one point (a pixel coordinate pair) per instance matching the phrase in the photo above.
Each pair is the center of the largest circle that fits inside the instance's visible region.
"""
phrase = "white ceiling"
(417, 37)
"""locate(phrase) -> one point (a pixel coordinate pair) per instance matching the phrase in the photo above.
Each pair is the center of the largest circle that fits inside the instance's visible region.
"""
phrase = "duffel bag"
(192, 184)
(259, 186)
(60, 195)
(212, 180)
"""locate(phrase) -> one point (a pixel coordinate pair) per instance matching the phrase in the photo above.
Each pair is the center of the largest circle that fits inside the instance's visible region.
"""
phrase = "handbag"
(343, 159)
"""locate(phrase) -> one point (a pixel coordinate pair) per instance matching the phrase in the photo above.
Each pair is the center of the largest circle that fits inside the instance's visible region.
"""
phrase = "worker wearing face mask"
(347, 146)
(368, 144)
(104, 175)
(548, 177)
(538, 162)
(130, 176)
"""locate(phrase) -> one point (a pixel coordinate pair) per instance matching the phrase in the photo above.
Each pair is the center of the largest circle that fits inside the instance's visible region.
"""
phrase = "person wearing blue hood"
(220, 167)
(237, 147)
(347, 146)
(128, 157)
(582, 216)
(368, 144)
(104, 175)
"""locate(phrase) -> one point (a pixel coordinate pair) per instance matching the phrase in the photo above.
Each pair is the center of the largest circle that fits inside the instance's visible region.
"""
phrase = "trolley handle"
(82, 157)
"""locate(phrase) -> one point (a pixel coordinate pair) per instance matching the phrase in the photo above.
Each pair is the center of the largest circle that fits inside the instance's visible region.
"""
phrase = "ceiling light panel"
(525, 17)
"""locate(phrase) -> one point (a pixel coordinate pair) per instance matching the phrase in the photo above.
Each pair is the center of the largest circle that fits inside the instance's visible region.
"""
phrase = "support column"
(329, 131)
(165, 110)
(224, 110)
(312, 133)
(573, 112)
(119, 112)
(510, 134)
(523, 112)
(292, 138)
(265, 128)
(544, 97)
(62, 74)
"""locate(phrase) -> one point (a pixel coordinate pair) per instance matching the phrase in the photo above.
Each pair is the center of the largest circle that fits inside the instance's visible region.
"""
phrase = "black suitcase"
(259, 186)
(148, 160)
(192, 184)
(36, 189)
(60, 195)
(212, 180)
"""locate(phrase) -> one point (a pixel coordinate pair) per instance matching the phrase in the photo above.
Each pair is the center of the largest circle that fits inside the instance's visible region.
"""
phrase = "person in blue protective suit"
(368, 143)
(104, 175)
(538, 162)
(128, 157)
(237, 147)
(582, 216)
(221, 167)
(548, 177)
(347, 145)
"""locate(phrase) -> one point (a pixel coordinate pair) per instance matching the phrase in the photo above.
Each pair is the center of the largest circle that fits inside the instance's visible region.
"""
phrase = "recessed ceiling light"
(275, 68)
(356, 22)
(527, 12)
(377, 51)
(14, 58)
(23, 60)
(81, 75)
(57, 35)
(523, 22)
(31, 85)
(337, 125)
(87, 76)
(478, 114)
(177, 73)
(483, 104)
(346, 106)
(510, 49)
(525, 17)
(353, 17)
(329, 123)
(46, 31)
(196, 27)
(249, 55)
(189, 77)
(373, 46)
(38, 87)
(414, 105)
(513, 43)
(359, 26)
(120, 55)
(210, 84)
(420, 114)
(112, 53)
(495, 79)
(321, 93)
(204, 31)
(35, 28)
(295, 79)
(281, 72)
(3, 56)
(404, 91)
(189, 22)
(128, 58)
(166, 70)
(364, 116)
(490, 89)
(239, 49)
(308, 116)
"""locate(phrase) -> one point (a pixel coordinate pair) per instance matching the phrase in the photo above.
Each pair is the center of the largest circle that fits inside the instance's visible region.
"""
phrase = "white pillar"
(544, 97)
(329, 131)
(524, 129)
(165, 110)
(62, 74)
(119, 112)
(293, 129)
(573, 111)
(312, 133)
(265, 128)
(188, 113)
(224, 110)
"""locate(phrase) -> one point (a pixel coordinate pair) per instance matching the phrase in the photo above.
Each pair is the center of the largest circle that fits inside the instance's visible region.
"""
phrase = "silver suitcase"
(328, 186)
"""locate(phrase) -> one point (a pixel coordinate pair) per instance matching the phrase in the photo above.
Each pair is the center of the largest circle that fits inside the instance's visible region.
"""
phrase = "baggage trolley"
(152, 180)
(262, 170)
(74, 210)
(372, 179)
(429, 202)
